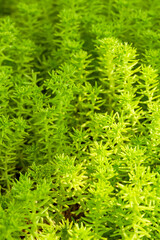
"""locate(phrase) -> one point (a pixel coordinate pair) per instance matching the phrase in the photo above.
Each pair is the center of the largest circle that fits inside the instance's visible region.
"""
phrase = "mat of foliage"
(79, 119)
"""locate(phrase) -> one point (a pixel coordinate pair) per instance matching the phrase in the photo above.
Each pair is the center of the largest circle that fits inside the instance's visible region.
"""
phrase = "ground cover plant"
(79, 119)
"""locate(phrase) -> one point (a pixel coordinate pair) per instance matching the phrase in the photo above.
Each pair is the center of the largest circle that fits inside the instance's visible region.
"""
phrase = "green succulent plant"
(79, 120)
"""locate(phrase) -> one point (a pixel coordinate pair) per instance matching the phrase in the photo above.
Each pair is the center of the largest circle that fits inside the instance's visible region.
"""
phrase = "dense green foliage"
(79, 119)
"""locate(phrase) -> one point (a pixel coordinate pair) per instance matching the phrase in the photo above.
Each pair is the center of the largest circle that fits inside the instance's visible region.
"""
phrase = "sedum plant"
(79, 120)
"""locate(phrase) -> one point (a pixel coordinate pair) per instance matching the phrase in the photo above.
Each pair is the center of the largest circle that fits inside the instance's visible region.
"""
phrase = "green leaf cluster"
(79, 120)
